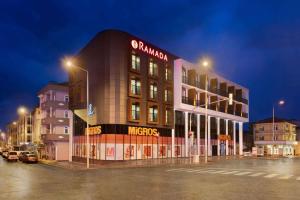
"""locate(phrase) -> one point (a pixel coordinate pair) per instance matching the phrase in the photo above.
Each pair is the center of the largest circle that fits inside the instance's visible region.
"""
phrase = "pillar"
(208, 137)
(198, 134)
(186, 136)
(226, 127)
(241, 138)
(218, 133)
(234, 138)
(173, 143)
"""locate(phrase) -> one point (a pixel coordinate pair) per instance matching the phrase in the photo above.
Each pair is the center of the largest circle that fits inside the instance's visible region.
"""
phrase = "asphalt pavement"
(224, 179)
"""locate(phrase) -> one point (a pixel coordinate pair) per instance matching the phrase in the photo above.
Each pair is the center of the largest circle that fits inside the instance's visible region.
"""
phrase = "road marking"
(271, 175)
(192, 170)
(256, 174)
(231, 172)
(242, 173)
(178, 169)
(218, 172)
(204, 171)
(298, 179)
(286, 177)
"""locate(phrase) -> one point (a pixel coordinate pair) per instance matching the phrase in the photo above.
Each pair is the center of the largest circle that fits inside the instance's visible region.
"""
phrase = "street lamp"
(22, 111)
(280, 103)
(206, 64)
(69, 64)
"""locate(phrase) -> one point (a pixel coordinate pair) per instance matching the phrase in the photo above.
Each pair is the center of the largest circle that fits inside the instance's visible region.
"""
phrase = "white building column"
(186, 134)
(198, 134)
(226, 129)
(173, 143)
(208, 137)
(218, 133)
(234, 138)
(241, 138)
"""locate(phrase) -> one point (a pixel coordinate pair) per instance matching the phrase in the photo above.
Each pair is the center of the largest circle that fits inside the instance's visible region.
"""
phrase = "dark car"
(30, 158)
(23, 154)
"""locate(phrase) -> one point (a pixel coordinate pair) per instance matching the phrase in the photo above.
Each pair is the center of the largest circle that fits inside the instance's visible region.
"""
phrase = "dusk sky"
(252, 43)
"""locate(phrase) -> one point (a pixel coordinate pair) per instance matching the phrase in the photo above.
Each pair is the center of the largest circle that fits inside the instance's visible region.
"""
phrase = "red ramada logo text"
(142, 47)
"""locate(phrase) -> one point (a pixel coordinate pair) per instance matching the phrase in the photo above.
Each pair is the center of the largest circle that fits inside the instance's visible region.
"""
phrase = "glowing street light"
(69, 64)
(22, 110)
(280, 103)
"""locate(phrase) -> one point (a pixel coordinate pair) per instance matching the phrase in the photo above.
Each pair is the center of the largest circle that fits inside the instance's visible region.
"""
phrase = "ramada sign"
(144, 48)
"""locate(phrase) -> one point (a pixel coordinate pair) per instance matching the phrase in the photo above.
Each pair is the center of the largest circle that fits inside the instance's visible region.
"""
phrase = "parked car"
(30, 158)
(12, 156)
(4, 154)
(23, 154)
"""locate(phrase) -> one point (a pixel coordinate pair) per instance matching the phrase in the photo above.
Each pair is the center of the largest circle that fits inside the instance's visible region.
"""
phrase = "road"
(226, 179)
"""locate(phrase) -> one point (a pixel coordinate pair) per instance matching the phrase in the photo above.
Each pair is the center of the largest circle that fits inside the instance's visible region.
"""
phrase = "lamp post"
(69, 64)
(22, 111)
(280, 103)
(206, 64)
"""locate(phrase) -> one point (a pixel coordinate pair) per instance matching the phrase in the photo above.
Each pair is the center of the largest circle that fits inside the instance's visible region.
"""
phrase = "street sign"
(91, 110)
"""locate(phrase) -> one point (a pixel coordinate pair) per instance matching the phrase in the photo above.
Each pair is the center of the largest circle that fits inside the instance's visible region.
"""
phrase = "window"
(135, 111)
(167, 95)
(168, 74)
(184, 76)
(66, 98)
(153, 91)
(135, 86)
(168, 116)
(66, 130)
(135, 62)
(153, 114)
(153, 71)
(66, 114)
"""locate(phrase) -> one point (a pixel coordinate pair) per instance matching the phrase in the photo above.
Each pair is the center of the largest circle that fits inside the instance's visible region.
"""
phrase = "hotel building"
(144, 100)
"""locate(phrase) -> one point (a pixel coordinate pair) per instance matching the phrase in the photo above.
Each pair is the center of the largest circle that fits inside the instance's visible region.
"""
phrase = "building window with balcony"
(153, 69)
(153, 114)
(184, 76)
(168, 74)
(153, 91)
(135, 111)
(135, 86)
(66, 114)
(135, 62)
(184, 95)
(66, 130)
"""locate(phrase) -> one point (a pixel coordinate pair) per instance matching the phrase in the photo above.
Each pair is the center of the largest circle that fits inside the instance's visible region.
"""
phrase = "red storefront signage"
(149, 50)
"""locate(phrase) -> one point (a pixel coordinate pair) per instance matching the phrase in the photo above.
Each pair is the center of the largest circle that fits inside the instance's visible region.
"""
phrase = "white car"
(12, 156)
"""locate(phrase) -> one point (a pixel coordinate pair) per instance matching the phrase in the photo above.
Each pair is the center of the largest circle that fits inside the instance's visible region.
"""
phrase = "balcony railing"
(184, 79)
(184, 99)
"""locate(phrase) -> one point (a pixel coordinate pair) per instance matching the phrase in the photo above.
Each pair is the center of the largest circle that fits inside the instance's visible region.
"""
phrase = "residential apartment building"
(143, 97)
(12, 134)
(281, 141)
(55, 121)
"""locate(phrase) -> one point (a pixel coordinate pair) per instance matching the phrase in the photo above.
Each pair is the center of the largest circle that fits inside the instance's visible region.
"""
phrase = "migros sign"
(132, 130)
(139, 45)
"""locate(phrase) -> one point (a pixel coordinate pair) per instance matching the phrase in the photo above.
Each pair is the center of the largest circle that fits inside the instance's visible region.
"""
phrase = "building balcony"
(275, 142)
(56, 121)
(55, 105)
(184, 100)
(46, 138)
(185, 79)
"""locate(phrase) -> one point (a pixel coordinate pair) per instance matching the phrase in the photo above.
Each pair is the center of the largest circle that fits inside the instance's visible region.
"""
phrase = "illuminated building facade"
(135, 106)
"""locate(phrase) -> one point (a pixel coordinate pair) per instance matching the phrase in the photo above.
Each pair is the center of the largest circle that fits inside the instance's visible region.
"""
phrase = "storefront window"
(135, 111)
(153, 71)
(153, 111)
(135, 62)
(153, 91)
(135, 86)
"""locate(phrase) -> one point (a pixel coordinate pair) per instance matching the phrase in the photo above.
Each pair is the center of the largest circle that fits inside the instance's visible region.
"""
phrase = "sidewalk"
(135, 163)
